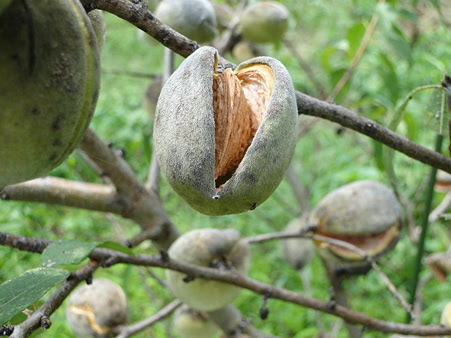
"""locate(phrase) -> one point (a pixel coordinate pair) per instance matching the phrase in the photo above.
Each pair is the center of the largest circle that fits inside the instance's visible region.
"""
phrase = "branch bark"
(108, 258)
(310, 106)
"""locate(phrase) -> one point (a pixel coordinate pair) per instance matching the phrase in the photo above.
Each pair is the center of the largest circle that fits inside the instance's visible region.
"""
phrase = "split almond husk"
(365, 213)
(225, 139)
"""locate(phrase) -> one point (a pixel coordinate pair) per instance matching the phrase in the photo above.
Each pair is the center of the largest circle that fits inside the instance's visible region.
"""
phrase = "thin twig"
(314, 107)
(322, 91)
(358, 55)
(300, 192)
(418, 304)
(306, 234)
(345, 77)
(227, 36)
(153, 179)
(340, 297)
(309, 293)
(125, 331)
(130, 73)
(444, 205)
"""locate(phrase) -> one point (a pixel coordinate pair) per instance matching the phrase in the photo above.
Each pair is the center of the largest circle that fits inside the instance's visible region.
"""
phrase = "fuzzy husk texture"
(184, 135)
(190, 323)
(195, 19)
(204, 247)
(50, 75)
(358, 208)
(94, 309)
(264, 21)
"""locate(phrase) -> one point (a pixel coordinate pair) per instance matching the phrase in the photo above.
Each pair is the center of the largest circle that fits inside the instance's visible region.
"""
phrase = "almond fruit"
(225, 139)
(366, 214)
(50, 58)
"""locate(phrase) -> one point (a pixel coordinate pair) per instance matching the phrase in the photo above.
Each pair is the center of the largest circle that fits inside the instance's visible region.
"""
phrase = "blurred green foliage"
(410, 48)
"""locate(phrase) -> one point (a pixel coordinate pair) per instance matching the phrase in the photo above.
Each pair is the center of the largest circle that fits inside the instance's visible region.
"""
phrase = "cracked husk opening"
(372, 244)
(240, 101)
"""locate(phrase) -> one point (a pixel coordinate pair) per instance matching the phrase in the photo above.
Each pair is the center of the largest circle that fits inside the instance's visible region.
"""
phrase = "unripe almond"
(364, 213)
(297, 251)
(99, 26)
(264, 21)
(225, 139)
(208, 248)
(50, 77)
(190, 323)
(196, 19)
(95, 309)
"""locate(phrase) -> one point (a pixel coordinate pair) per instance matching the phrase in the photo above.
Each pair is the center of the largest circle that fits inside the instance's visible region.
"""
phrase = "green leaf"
(116, 247)
(66, 252)
(390, 78)
(22, 291)
(326, 57)
(354, 37)
(399, 44)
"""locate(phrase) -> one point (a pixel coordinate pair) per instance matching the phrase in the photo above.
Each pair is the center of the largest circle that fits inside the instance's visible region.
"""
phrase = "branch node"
(6, 330)
(45, 323)
(264, 311)
(108, 262)
(164, 256)
(121, 152)
(89, 280)
(332, 303)
(189, 278)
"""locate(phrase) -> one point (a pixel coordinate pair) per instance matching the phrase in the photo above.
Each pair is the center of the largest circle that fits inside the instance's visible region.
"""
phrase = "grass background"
(327, 34)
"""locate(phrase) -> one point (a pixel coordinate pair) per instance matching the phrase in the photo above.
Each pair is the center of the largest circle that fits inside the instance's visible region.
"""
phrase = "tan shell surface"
(205, 247)
(49, 54)
(184, 135)
(358, 208)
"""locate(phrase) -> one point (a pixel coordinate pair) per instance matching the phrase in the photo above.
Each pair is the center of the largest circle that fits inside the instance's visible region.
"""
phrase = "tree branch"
(125, 331)
(310, 106)
(109, 257)
(140, 204)
(136, 13)
(306, 233)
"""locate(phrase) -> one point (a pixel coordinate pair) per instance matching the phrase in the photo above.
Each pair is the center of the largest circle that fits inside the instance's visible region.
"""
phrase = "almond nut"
(225, 139)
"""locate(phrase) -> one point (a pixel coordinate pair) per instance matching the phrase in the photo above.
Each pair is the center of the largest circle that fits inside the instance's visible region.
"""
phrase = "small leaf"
(390, 78)
(354, 37)
(66, 252)
(399, 44)
(116, 247)
(22, 291)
